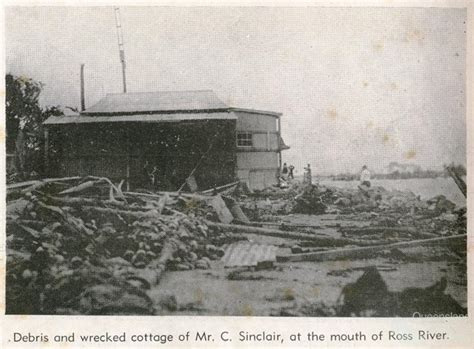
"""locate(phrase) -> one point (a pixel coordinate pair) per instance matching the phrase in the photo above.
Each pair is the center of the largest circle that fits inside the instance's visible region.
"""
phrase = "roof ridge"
(151, 92)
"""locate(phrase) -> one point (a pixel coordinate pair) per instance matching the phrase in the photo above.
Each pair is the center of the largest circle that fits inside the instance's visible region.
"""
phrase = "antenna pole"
(83, 103)
(121, 47)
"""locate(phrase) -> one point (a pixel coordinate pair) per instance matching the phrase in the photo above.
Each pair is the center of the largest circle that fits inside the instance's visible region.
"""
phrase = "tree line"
(24, 127)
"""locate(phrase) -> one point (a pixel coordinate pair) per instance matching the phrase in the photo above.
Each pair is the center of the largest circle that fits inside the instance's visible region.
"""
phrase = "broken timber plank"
(218, 189)
(361, 251)
(239, 214)
(225, 216)
(458, 180)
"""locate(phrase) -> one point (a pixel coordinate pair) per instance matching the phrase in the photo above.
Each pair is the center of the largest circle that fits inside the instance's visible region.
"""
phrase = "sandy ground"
(266, 292)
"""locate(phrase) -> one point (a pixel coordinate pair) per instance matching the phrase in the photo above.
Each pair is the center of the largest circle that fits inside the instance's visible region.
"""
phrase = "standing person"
(154, 177)
(284, 171)
(365, 176)
(290, 172)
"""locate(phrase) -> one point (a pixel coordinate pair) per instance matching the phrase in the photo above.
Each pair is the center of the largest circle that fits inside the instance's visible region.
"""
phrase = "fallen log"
(361, 252)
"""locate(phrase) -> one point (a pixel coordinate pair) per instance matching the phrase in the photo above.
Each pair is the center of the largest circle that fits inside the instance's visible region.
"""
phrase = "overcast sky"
(355, 86)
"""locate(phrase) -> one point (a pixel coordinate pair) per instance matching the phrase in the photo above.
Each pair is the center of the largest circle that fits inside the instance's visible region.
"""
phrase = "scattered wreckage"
(84, 246)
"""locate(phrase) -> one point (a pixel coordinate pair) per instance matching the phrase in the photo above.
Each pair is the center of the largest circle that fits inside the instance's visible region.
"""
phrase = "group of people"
(287, 172)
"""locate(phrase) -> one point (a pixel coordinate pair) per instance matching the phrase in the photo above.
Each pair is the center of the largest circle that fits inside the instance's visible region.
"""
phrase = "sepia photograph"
(236, 161)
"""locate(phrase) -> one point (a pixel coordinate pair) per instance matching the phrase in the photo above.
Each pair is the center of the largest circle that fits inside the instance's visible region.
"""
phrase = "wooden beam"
(222, 187)
(361, 252)
(46, 180)
(318, 239)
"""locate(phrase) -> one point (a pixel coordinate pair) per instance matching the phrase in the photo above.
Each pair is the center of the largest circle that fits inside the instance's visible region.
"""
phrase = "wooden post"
(46, 152)
(128, 160)
(278, 142)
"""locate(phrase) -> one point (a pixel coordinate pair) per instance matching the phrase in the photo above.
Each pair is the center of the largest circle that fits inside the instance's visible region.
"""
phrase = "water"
(426, 188)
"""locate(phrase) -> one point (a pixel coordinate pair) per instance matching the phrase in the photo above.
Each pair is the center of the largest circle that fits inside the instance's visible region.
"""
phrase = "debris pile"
(82, 246)
(390, 207)
(317, 199)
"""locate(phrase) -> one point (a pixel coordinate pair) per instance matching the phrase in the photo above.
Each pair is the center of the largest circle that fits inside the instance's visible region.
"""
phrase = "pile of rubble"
(319, 199)
(82, 246)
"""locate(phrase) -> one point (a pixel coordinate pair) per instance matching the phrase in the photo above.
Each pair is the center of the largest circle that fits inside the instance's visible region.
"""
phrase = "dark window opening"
(244, 139)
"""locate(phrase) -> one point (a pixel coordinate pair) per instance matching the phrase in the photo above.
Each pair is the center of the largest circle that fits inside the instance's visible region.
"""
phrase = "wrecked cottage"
(183, 136)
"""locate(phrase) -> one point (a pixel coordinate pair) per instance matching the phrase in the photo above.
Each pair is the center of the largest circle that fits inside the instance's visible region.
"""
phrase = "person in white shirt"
(365, 176)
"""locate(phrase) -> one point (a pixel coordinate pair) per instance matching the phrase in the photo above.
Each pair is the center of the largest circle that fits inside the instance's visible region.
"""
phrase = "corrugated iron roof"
(155, 102)
(248, 254)
(82, 119)
(256, 111)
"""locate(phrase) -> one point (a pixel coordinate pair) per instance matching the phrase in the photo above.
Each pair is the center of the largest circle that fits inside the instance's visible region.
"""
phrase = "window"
(244, 139)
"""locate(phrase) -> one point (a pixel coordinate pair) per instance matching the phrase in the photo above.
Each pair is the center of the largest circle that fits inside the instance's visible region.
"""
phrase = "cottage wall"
(257, 148)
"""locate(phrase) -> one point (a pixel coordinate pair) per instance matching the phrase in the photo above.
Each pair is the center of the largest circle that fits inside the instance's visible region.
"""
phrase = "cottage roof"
(157, 102)
(84, 119)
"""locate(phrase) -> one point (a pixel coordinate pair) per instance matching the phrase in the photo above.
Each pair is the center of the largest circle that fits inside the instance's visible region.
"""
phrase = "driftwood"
(361, 252)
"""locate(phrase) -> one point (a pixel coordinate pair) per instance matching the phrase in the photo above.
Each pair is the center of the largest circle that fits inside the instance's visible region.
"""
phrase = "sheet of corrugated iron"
(248, 254)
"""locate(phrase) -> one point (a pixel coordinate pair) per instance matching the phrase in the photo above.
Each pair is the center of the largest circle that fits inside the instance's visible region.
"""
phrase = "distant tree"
(24, 124)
